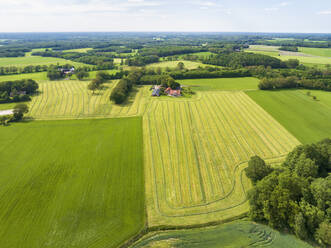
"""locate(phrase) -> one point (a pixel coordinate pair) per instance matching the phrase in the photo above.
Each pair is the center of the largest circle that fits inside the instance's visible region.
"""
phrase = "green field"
(307, 56)
(221, 83)
(173, 64)
(71, 183)
(233, 235)
(305, 118)
(36, 60)
(79, 50)
(195, 153)
(38, 76)
(323, 52)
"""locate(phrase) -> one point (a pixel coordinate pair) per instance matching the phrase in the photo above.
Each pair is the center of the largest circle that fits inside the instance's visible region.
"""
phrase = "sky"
(299, 16)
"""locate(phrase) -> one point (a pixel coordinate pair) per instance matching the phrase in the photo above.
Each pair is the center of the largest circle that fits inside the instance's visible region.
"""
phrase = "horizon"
(256, 16)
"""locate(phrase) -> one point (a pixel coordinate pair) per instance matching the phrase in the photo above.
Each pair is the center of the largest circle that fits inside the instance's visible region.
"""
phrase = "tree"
(257, 169)
(323, 234)
(19, 111)
(300, 226)
(4, 120)
(82, 74)
(181, 66)
(93, 85)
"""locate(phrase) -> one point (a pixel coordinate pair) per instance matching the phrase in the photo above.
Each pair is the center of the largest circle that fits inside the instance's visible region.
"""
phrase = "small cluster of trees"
(18, 114)
(11, 70)
(295, 196)
(289, 48)
(11, 91)
(13, 51)
(142, 60)
(97, 83)
(294, 82)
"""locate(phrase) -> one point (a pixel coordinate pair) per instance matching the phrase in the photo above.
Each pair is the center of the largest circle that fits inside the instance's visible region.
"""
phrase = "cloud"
(284, 4)
(277, 7)
(325, 12)
(271, 9)
(37, 7)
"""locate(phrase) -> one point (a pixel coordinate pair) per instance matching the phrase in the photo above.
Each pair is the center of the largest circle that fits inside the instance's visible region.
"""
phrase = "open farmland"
(37, 76)
(36, 60)
(247, 234)
(195, 153)
(70, 99)
(208, 84)
(324, 52)
(307, 119)
(72, 183)
(79, 50)
(306, 56)
(173, 64)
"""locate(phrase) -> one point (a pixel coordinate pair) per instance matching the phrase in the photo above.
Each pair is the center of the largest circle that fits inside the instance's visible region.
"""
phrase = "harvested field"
(195, 153)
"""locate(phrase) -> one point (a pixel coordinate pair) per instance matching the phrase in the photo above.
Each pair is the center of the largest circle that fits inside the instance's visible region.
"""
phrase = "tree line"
(289, 48)
(294, 82)
(17, 91)
(296, 195)
(100, 60)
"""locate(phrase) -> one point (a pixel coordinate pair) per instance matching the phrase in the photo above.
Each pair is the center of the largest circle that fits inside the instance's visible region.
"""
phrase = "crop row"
(196, 151)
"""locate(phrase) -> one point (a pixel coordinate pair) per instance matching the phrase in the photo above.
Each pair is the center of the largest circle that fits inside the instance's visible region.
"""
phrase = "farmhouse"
(171, 92)
(67, 71)
(156, 91)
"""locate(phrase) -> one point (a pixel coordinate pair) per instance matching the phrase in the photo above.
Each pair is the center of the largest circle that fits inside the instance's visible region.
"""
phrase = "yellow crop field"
(70, 99)
(195, 153)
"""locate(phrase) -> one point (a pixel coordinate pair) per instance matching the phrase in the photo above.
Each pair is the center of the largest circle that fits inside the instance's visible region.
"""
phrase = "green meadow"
(209, 84)
(35, 60)
(173, 64)
(71, 183)
(307, 119)
(323, 52)
(79, 50)
(38, 76)
(233, 235)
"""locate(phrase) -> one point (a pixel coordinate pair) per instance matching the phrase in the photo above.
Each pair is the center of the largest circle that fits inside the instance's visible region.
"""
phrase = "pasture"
(79, 50)
(308, 124)
(71, 183)
(196, 151)
(306, 56)
(38, 76)
(246, 233)
(323, 52)
(173, 64)
(210, 84)
(36, 60)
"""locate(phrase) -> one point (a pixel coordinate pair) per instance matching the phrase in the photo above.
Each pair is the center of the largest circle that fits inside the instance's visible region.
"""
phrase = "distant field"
(70, 99)
(195, 153)
(324, 52)
(35, 60)
(6, 106)
(308, 56)
(79, 50)
(310, 123)
(72, 183)
(233, 235)
(221, 83)
(38, 76)
(173, 64)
